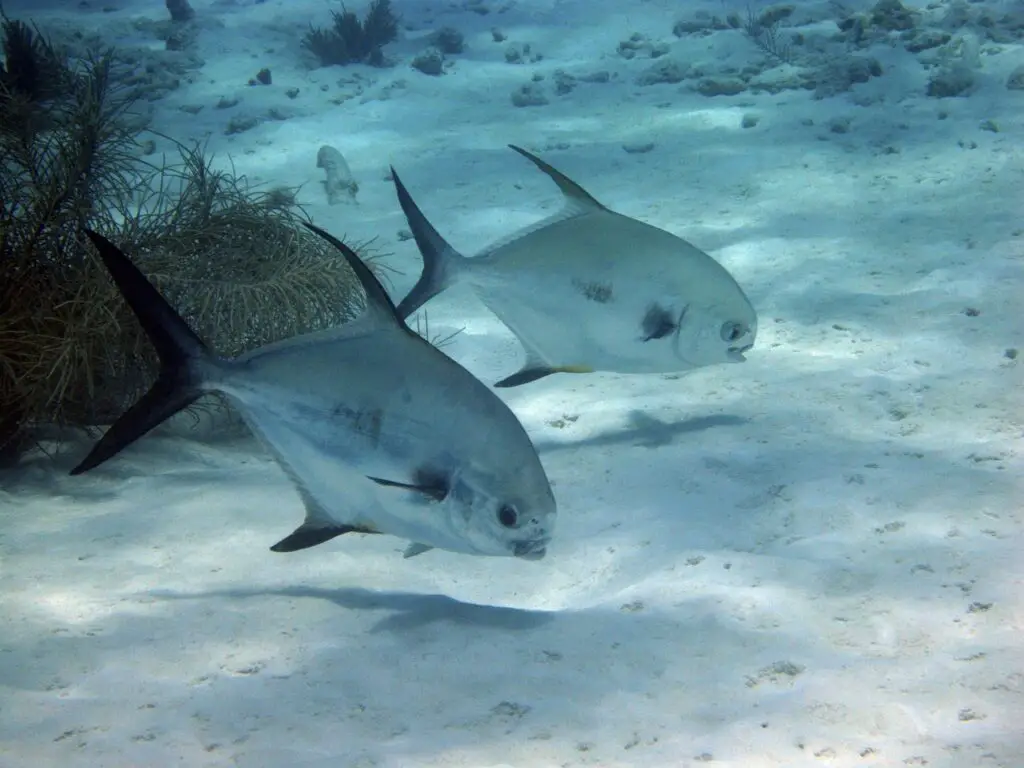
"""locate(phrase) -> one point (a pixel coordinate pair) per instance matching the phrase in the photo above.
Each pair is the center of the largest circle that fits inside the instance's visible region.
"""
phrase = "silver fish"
(589, 289)
(379, 431)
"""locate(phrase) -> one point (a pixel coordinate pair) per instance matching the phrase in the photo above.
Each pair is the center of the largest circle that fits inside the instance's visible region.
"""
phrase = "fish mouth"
(735, 354)
(531, 550)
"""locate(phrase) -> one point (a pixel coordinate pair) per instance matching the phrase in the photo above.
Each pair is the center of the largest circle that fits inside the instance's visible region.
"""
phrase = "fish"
(379, 431)
(589, 289)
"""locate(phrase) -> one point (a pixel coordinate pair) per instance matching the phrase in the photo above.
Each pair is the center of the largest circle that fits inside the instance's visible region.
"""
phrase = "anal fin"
(524, 376)
(527, 374)
(306, 536)
(416, 549)
(537, 365)
(318, 527)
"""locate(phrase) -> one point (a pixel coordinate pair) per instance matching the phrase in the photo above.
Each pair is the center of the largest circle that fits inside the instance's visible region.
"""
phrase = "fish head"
(718, 325)
(722, 332)
(509, 513)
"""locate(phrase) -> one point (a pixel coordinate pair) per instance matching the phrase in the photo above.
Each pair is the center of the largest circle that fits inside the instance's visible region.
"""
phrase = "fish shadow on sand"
(43, 475)
(645, 431)
(407, 610)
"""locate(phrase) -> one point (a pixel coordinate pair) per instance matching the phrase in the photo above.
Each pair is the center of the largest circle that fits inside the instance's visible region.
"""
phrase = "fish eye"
(508, 516)
(732, 331)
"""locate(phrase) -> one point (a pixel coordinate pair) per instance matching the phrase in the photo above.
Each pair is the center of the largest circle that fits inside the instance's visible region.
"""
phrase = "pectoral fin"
(434, 489)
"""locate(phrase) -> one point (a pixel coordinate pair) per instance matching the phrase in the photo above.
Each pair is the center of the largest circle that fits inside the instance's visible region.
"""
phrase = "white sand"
(814, 558)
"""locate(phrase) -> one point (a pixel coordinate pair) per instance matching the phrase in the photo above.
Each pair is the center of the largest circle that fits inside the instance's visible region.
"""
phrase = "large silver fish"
(379, 431)
(589, 289)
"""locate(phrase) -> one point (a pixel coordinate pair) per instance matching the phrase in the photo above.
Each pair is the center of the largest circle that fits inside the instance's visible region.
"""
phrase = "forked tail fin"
(440, 261)
(179, 349)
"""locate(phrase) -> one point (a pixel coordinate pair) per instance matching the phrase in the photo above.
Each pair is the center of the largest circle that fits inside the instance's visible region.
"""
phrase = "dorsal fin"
(377, 300)
(576, 201)
(576, 196)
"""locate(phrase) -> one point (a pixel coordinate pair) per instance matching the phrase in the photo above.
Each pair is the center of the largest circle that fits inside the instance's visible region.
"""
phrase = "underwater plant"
(352, 41)
(436, 340)
(31, 68)
(66, 149)
(234, 260)
(763, 29)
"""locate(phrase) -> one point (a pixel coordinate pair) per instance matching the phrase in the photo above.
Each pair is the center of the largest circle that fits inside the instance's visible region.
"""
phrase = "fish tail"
(181, 351)
(441, 262)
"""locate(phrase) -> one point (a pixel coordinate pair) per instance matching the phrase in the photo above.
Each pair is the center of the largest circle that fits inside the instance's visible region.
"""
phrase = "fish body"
(379, 431)
(589, 289)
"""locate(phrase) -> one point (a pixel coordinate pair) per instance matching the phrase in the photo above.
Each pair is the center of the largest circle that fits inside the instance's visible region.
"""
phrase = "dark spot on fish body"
(371, 422)
(368, 422)
(437, 480)
(658, 322)
(600, 293)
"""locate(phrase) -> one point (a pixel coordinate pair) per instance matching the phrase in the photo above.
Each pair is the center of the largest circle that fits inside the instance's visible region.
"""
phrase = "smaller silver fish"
(589, 289)
(379, 431)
